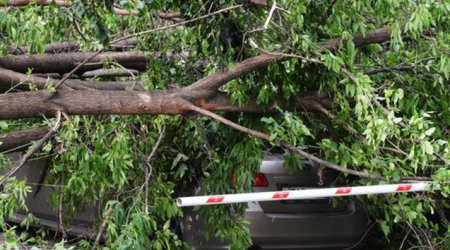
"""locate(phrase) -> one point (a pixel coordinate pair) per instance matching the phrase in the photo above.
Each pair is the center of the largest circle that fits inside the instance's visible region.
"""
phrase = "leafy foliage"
(391, 111)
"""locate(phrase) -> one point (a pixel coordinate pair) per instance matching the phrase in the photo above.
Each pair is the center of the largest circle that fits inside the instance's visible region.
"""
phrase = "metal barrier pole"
(302, 194)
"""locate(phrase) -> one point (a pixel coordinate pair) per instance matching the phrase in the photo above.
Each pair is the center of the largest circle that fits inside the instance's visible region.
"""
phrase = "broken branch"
(19, 164)
(286, 145)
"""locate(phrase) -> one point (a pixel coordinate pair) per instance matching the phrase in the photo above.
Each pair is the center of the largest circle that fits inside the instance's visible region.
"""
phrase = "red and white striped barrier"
(301, 194)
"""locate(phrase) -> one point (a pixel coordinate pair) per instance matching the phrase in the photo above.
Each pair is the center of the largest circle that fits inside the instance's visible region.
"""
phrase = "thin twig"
(19, 164)
(122, 67)
(404, 239)
(269, 17)
(60, 212)
(387, 112)
(286, 145)
(148, 169)
(440, 212)
(144, 33)
(202, 133)
(102, 228)
(362, 238)
(326, 14)
(405, 217)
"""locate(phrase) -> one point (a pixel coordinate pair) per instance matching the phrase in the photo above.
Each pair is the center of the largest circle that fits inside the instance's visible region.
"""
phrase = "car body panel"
(273, 225)
(306, 224)
(81, 224)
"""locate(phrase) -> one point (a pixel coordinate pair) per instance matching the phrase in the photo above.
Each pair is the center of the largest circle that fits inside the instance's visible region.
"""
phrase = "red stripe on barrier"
(280, 195)
(344, 190)
(404, 187)
(215, 199)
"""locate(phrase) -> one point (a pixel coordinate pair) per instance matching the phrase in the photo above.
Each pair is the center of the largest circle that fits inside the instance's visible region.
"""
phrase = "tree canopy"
(133, 102)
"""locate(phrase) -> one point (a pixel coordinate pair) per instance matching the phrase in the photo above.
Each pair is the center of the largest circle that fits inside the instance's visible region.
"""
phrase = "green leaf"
(430, 131)
(385, 228)
(428, 147)
(3, 125)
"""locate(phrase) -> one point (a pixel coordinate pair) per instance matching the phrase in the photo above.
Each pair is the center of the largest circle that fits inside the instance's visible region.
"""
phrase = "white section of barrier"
(301, 194)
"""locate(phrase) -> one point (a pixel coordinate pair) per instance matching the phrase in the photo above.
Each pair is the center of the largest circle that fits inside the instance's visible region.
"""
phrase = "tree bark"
(65, 62)
(168, 15)
(49, 48)
(20, 3)
(16, 139)
(64, 47)
(12, 80)
(222, 102)
(374, 36)
(380, 35)
(110, 73)
(93, 102)
(216, 80)
(41, 103)
(259, 2)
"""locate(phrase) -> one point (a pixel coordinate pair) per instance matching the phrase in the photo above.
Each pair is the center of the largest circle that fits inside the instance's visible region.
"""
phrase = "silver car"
(298, 224)
(290, 224)
(37, 203)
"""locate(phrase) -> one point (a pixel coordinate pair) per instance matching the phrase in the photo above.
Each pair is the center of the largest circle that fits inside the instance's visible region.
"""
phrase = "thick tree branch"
(168, 15)
(220, 78)
(34, 149)
(11, 80)
(259, 2)
(48, 48)
(387, 69)
(64, 47)
(90, 102)
(19, 139)
(374, 36)
(20, 3)
(107, 102)
(222, 102)
(88, 59)
(65, 62)
(214, 81)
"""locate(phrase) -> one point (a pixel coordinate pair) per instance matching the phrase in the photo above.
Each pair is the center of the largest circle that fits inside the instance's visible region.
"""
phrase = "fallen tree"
(370, 106)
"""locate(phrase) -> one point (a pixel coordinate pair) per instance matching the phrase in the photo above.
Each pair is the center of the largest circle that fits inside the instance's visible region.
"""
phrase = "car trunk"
(279, 179)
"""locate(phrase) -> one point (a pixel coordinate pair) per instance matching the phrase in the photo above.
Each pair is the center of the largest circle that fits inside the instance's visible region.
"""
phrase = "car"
(289, 224)
(82, 224)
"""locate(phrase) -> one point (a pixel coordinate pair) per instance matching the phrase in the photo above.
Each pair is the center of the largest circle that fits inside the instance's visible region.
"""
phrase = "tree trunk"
(41, 103)
(172, 102)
